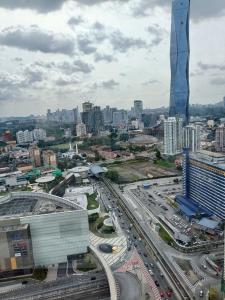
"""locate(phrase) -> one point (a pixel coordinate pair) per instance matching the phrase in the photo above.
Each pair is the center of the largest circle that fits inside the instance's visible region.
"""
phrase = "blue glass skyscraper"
(179, 59)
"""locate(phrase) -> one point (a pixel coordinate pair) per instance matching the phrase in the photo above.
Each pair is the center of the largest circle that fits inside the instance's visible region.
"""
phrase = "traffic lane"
(125, 225)
(130, 287)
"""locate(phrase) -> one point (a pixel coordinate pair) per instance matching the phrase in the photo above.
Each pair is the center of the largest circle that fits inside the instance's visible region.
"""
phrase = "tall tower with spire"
(179, 60)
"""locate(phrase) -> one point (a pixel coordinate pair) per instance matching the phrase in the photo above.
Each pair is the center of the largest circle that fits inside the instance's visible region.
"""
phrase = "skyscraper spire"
(179, 60)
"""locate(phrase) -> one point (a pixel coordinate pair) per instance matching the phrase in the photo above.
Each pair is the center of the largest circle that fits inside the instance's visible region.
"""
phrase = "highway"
(157, 246)
(133, 236)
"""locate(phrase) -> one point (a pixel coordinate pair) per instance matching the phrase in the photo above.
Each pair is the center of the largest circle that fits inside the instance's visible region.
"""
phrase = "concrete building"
(120, 118)
(40, 229)
(204, 181)
(173, 136)
(220, 139)
(39, 134)
(24, 137)
(16, 255)
(49, 158)
(138, 108)
(63, 116)
(81, 130)
(87, 106)
(35, 155)
(192, 137)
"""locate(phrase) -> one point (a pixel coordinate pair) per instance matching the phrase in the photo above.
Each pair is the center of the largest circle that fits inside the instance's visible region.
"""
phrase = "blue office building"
(179, 60)
(203, 183)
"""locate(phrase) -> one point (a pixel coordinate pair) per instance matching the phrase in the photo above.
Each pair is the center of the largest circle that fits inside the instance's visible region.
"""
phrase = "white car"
(150, 272)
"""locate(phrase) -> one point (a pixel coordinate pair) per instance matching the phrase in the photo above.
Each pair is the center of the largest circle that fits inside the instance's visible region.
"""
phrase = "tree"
(113, 175)
(158, 154)
(213, 294)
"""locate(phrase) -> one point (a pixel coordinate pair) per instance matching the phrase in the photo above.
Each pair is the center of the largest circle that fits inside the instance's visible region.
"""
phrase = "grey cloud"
(206, 67)
(33, 76)
(34, 38)
(104, 57)
(17, 59)
(85, 45)
(199, 9)
(149, 82)
(123, 44)
(94, 2)
(75, 21)
(196, 73)
(98, 26)
(157, 33)
(65, 81)
(218, 81)
(10, 86)
(110, 84)
(77, 66)
(41, 6)
(67, 67)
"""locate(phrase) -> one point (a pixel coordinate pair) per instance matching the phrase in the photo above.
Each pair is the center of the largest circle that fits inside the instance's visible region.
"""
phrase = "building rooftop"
(212, 154)
(31, 203)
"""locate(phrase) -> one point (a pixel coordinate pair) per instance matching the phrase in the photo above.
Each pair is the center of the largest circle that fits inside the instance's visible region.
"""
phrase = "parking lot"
(159, 200)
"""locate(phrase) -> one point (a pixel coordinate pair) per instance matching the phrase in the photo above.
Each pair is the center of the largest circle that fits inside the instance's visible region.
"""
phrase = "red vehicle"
(161, 294)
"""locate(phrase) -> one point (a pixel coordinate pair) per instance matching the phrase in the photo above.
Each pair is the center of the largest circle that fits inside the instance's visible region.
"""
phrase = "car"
(161, 294)
(156, 283)
(201, 293)
(152, 265)
(145, 254)
(150, 272)
(161, 274)
(169, 293)
(93, 278)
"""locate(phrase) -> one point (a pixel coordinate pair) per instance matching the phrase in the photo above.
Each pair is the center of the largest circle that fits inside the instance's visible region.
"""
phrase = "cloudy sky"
(58, 53)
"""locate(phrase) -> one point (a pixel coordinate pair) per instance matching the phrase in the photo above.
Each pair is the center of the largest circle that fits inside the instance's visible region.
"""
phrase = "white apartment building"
(192, 137)
(23, 137)
(81, 129)
(173, 136)
(27, 136)
(39, 134)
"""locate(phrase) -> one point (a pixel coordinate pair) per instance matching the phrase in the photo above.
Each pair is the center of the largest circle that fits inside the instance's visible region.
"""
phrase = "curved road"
(130, 287)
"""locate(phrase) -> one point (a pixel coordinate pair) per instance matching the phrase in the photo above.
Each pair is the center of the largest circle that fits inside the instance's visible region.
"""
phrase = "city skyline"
(86, 42)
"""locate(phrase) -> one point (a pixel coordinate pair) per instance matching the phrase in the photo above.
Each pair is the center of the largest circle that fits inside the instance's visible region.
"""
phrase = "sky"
(60, 53)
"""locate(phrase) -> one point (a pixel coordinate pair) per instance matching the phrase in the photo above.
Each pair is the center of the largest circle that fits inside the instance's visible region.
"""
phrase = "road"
(130, 287)
(134, 238)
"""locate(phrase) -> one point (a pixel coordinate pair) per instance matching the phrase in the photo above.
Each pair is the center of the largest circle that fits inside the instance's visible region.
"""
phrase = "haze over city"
(57, 54)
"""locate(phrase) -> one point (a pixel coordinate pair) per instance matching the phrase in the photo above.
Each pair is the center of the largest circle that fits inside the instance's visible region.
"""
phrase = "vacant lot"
(133, 171)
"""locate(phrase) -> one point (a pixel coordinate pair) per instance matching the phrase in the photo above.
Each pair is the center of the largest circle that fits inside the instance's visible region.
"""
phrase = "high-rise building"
(39, 134)
(87, 106)
(98, 122)
(35, 155)
(108, 114)
(63, 116)
(179, 60)
(49, 158)
(120, 118)
(220, 139)
(192, 137)
(81, 129)
(92, 117)
(203, 182)
(24, 137)
(173, 136)
(138, 108)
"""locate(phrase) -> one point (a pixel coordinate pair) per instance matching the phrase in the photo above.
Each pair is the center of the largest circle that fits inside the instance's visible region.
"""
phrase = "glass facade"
(179, 59)
(204, 184)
